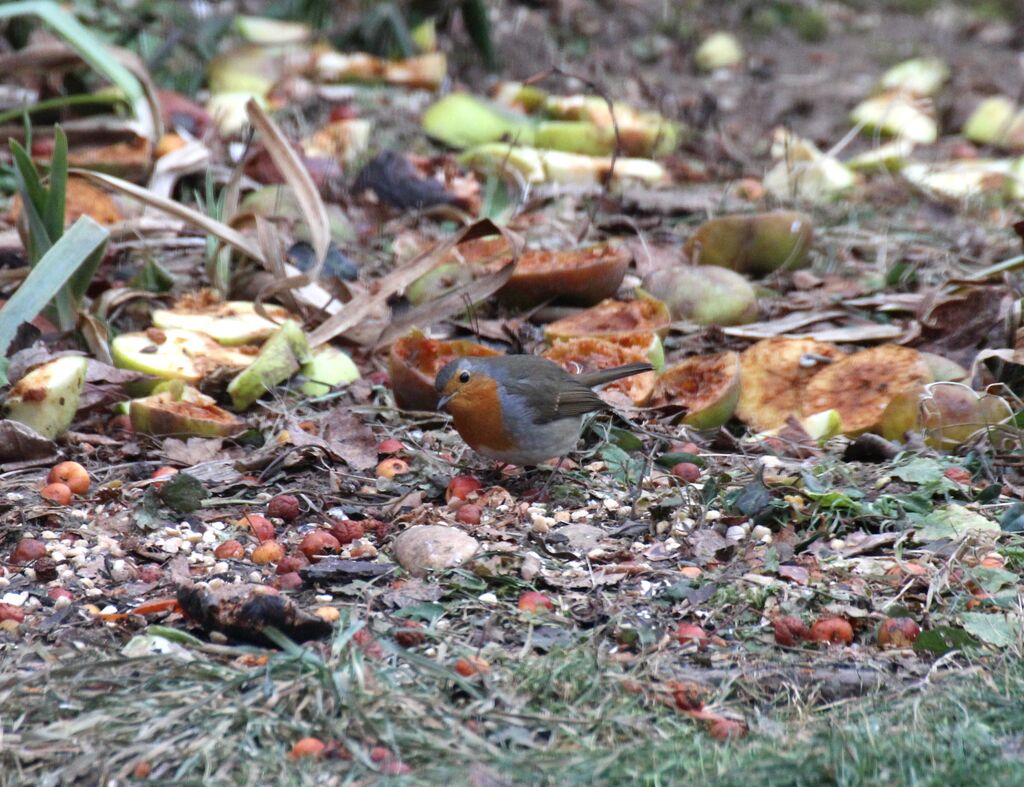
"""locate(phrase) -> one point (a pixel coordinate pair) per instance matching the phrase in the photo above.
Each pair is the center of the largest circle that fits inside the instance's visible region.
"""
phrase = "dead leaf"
(192, 451)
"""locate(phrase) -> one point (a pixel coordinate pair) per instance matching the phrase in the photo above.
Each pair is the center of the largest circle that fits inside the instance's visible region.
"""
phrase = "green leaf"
(152, 277)
(1012, 520)
(942, 639)
(183, 493)
(33, 198)
(56, 197)
(674, 458)
(996, 629)
(84, 239)
(82, 40)
(625, 439)
(919, 471)
(952, 521)
(621, 465)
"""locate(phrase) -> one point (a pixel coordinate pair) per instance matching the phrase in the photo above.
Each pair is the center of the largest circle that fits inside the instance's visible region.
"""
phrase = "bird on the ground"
(522, 409)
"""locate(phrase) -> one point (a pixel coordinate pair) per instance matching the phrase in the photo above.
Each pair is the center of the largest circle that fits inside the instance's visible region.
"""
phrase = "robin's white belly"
(539, 444)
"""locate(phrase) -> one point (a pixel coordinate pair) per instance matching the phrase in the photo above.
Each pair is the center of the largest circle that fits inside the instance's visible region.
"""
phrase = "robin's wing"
(571, 399)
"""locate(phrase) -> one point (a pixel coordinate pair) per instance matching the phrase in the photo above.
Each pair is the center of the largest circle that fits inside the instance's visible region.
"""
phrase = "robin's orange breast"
(478, 417)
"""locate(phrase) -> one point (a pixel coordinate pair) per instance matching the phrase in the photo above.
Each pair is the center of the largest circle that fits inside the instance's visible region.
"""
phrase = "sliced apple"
(461, 120)
(775, 373)
(581, 276)
(703, 294)
(328, 367)
(953, 413)
(755, 244)
(861, 386)
(590, 354)
(414, 362)
(899, 115)
(47, 397)
(613, 318)
(177, 354)
(230, 322)
(705, 388)
(280, 357)
(182, 411)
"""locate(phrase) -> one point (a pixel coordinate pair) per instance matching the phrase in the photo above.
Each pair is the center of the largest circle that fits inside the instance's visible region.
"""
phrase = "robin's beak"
(443, 401)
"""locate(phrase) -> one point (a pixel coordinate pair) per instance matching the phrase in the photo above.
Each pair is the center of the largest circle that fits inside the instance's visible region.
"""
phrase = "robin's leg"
(555, 473)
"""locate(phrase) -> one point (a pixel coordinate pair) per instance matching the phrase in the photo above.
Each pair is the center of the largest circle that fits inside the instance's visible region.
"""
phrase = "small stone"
(762, 534)
(712, 516)
(836, 544)
(736, 533)
(611, 504)
(61, 602)
(662, 527)
(426, 548)
(563, 516)
(540, 524)
(93, 592)
(580, 515)
(323, 598)
(487, 598)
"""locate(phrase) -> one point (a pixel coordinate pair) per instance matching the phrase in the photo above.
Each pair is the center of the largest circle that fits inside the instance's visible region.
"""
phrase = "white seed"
(736, 533)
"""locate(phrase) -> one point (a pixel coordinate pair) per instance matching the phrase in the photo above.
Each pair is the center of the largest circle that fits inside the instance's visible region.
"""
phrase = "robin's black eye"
(464, 377)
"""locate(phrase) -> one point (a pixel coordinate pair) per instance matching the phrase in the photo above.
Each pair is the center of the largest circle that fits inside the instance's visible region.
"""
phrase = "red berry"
(72, 474)
(318, 544)
(284, 507)
(410, 635)
(260, 526)
(836, 631)
(688, 633)
(789, 630)
(287, 581)
(347, 531)
(686, 471)
(469, 514)
(898, 633)
(28, 550)
(390, 446)
(57, 493)
(533, 601)
(462, 486)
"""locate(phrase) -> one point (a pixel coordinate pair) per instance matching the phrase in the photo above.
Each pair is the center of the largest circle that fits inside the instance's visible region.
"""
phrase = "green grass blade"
(56, 197)
(79, 244)
(81, 39)
(34, 198)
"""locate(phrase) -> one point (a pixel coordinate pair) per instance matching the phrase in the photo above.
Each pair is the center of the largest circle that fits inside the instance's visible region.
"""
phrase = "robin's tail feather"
(602, 376)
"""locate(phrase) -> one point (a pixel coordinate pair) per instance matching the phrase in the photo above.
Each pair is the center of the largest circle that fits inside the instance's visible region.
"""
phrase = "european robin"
(522, 409)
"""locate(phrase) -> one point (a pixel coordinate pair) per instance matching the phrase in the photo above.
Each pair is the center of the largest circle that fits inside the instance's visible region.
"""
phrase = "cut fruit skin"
(281, 356)
(46, 398)
(757, 244)
(414, 362)
(774, 380)
(587, 354)
(705, 387)
(862, 385)
(613, 318)
(704, 294)
(159, 415)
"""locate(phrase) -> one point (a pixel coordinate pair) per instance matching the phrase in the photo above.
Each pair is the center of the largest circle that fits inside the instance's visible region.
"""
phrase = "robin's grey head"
(459, 371)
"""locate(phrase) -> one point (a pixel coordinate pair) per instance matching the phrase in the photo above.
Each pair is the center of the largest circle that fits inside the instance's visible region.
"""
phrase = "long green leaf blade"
(90, 48)
(33, 198)
(56, 197)
(84, 239)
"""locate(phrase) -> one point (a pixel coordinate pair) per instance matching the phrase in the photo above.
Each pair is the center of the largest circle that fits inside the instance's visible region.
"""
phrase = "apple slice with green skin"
(461, 120)
(704, 294)
(280, 357)
(757, 244)
(327, 367)
(231, 323)
(182, 411)
(176, 354)
(953, 413)
(47, 397)
(705, 387)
